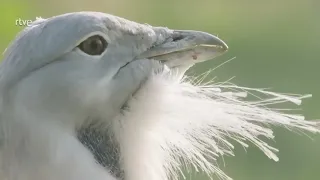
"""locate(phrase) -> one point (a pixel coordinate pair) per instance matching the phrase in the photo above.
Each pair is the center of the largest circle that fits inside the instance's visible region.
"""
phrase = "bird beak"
(186, 48)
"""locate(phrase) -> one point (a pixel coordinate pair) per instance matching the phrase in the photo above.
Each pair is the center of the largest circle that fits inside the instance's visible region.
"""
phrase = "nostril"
(177, 37)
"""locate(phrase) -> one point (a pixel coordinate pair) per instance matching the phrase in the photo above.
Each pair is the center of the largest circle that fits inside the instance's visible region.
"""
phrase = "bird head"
(88, 95)
(90, 62)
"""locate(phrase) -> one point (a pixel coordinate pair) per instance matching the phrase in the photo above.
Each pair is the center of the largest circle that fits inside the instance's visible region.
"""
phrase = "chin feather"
(174, 122)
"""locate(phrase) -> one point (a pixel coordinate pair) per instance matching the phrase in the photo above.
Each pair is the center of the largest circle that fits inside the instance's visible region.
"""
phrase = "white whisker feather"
(172, 122)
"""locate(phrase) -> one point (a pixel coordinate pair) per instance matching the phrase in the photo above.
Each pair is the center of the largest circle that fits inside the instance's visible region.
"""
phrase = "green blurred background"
(276, 44)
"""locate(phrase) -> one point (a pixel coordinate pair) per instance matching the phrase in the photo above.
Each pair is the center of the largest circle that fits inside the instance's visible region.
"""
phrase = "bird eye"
(94, 45)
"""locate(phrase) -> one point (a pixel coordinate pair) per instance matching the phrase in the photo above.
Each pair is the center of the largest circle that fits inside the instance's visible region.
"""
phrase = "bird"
(89, 95)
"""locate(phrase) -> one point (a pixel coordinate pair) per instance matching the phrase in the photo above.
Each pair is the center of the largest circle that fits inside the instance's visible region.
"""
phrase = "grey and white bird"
(92, 96)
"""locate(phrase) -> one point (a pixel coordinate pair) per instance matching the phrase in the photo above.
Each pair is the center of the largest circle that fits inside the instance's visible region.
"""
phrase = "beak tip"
(225, 47)
(218, 42)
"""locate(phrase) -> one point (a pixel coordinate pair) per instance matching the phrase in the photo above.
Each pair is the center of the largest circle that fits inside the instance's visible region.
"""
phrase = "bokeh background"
(276, 44)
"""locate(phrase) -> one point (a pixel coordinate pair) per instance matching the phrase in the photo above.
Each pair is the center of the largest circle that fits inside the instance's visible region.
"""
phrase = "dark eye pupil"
(94, 45)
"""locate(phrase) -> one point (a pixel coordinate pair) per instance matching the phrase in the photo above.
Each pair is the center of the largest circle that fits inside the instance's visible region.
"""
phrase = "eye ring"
(94, 45)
